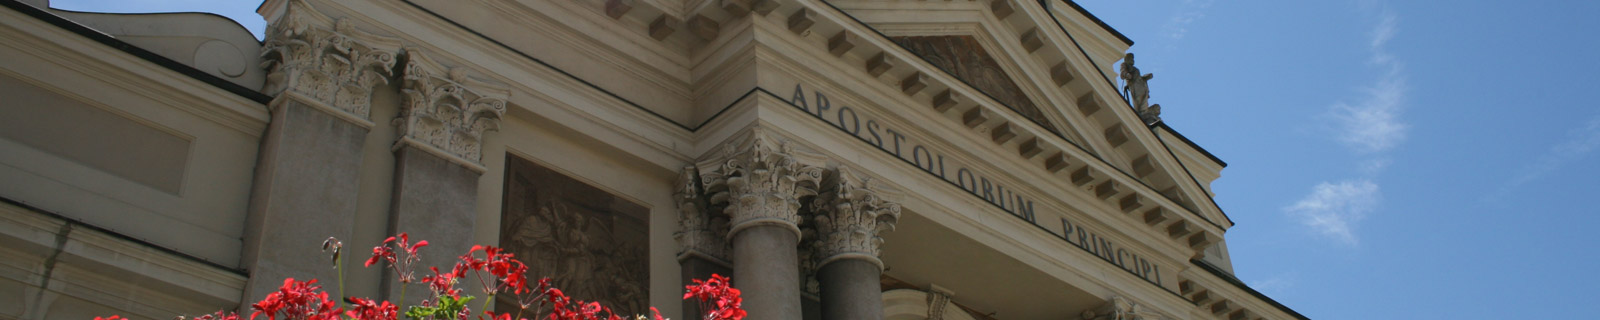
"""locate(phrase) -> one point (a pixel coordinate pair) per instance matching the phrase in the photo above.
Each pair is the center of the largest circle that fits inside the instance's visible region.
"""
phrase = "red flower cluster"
(297, 301)
(509, 274)
(566, 308)
(368, 309)
(402, 267)
(219, 315)
(718, 300)
(498, 271)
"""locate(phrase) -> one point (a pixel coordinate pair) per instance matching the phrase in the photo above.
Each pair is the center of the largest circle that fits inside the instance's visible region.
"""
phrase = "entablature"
(1116, 266)
(907, 80)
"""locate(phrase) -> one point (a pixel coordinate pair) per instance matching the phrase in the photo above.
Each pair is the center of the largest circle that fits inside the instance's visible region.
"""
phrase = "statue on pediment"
(1137, 88)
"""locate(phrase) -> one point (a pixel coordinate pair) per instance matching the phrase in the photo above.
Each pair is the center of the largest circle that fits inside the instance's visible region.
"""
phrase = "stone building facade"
(845, 159)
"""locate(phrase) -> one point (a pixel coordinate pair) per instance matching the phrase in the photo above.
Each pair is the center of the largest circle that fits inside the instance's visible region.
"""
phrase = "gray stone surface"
(851, 290)
(767, 272)
(434, 200)
(304, 192)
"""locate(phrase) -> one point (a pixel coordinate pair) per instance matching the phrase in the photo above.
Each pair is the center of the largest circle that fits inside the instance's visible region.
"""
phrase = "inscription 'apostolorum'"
(328, 61)
(761, 179)
(446, 109)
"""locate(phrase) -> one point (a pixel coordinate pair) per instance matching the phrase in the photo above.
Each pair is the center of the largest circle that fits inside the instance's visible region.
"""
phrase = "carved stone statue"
(1137, 87)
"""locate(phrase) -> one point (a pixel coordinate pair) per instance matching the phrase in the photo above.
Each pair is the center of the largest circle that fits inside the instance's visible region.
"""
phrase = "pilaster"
(322, 72)
(437, 155)
(702, 235)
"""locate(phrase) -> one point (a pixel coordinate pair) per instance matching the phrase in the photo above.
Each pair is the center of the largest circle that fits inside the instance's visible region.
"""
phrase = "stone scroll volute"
(702, 228)
(328, 62)
(851, 211)
(447, 111)
(761, 178)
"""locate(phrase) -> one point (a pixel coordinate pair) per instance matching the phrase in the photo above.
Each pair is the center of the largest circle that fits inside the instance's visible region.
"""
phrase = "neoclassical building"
(840, 159)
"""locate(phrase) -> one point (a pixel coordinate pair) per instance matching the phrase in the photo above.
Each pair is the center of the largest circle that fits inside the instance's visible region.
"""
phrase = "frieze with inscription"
(896, 141)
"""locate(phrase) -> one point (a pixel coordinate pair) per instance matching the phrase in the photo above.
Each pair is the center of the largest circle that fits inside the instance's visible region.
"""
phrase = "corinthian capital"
(326, 61)
(850, 212)
(446, 111)
(1119, 308)
(700, 231)
(761, 178)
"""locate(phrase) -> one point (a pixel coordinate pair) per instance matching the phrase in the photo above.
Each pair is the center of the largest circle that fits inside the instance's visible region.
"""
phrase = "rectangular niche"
(591, 243)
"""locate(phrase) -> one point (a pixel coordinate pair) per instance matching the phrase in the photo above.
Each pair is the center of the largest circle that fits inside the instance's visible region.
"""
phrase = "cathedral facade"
(839, 159)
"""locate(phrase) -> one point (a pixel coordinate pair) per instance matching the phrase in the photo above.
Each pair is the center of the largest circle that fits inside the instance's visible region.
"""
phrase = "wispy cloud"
(1274, 285)
(1188, 13)
(1372, 123)
(1334, 209)
(1580, 142)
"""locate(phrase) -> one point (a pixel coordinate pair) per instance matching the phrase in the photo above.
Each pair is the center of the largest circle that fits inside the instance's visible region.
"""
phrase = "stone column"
(322, 72)
(437, 158)
(761, 179)
(850, 212)
(702, 236)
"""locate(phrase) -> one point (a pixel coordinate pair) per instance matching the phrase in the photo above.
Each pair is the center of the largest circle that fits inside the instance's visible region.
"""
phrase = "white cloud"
(1274, 285)
(1191, 11)
(1580, 142)
(1373, 123)
(1334, 209)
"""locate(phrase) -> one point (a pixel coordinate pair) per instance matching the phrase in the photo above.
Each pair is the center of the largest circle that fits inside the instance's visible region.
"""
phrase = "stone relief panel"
(966, 59)
(592, 244)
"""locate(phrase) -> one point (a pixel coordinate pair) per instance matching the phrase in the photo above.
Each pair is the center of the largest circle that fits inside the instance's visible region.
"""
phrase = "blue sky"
(1387, 159)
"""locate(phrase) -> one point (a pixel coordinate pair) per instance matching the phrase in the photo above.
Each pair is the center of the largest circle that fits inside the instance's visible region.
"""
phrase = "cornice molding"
(974, 146)
(65, 50)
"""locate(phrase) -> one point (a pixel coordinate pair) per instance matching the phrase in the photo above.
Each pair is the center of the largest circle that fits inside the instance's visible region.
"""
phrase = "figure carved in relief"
(591, 244)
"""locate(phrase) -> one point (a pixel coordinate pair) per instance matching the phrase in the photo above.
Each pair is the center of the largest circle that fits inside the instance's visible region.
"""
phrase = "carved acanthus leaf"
(761, 179)
(1119, 308)
(447, 109)
(327, 60)
(851, 211)
(701, 230)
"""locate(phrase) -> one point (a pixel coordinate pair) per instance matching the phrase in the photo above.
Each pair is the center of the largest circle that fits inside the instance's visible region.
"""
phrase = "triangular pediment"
(965, 58)
(1021, 55)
